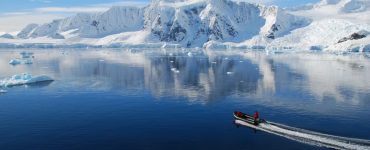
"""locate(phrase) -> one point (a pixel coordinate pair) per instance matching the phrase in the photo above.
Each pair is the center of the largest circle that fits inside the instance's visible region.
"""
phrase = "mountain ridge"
(198, 23)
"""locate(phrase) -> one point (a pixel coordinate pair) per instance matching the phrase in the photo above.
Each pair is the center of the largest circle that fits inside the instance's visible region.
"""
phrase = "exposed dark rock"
(272, 31)
(270, 36)
(354, 36)
(274, 28)
(230, 29)
(177, 33)
(95, 23)
(173, 32)
(57, 36)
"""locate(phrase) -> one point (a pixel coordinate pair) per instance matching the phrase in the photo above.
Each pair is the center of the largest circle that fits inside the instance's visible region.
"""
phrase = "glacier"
(211, 24)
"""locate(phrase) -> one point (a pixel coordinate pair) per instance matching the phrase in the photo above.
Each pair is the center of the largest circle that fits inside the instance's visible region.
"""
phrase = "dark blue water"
(156, 99)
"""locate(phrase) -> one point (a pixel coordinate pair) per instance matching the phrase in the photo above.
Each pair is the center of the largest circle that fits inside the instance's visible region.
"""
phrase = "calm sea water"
(156, 99)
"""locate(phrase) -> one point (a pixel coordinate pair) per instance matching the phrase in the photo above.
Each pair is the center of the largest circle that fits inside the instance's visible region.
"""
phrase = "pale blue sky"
(24, 5)
(15, 14)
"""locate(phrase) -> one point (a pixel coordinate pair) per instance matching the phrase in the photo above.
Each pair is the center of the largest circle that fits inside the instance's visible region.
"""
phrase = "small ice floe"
(190, 54)
(20, 61)
(27, 61)
(23, 79)
(101, 60)
(214, 62)
(3, 91)
(172, 61)
(26, 58)
(175, 70)
(241, 61)
(15, 62)
(229, 73)
(26, 54)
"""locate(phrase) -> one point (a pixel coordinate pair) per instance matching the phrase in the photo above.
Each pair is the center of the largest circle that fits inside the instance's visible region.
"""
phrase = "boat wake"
(310, 137)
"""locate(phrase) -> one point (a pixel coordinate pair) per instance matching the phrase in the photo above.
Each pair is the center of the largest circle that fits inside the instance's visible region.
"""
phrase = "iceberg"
(26, 58)
(20, 61)
(26, 54)
(175, 70)
(15, 62)
(23, 79)
(3, 91)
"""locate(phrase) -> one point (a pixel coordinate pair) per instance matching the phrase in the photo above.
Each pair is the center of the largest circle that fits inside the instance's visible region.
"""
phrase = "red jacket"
(256, 115)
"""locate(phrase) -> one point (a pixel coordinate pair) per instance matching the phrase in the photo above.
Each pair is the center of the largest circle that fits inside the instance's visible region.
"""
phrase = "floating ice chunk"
(20, 61)
(15, 62)
(190, 54)
(3, 91)
(27, 61)
(26, 54)
(316, 48)
(175, 70)
(23, 79)
(229, 73)
(170, 46)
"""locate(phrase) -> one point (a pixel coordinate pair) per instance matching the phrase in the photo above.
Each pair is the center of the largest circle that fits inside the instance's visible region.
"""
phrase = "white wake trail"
(310, 137)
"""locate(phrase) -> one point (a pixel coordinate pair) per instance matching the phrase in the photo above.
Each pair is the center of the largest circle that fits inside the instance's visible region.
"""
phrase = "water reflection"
(201, 77)
(205, 76)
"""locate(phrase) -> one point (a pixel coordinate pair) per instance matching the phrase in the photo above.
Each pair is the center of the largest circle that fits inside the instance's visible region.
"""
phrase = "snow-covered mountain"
(208, 23)
(333, 21)
(85, 25)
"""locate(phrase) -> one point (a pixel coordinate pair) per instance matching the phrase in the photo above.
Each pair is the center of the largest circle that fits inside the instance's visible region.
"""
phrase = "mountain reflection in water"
(206, 76)
(99, 98)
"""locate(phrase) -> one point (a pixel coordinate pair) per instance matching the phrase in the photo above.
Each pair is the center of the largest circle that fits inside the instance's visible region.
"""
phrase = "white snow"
(329, 25)
(23, 79)
(354, 6)
(212, 24)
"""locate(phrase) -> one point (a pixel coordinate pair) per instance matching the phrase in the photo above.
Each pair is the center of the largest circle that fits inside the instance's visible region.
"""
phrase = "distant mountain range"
(337, 25)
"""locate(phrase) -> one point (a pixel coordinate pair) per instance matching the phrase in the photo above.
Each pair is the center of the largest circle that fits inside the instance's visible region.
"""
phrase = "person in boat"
(239, 114)
(256, 117)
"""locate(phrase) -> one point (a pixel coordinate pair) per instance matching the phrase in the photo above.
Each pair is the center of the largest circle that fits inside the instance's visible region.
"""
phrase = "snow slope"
(332, 21)
(207, 23)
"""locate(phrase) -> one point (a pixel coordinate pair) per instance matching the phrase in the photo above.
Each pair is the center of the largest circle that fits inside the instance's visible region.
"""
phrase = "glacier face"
(197, 23)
